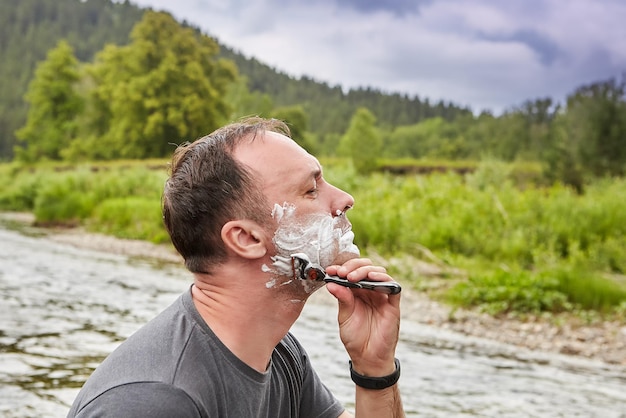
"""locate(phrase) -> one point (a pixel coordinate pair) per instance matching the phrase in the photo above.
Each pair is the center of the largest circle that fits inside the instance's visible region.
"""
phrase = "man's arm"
(369, 325)
(379, 403)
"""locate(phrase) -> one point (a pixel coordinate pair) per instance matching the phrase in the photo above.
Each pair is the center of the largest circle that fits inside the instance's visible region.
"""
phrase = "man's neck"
(249, 318)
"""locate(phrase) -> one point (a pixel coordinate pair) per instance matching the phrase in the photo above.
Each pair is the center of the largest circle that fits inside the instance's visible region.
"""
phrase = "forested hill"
(30, 28)
(329, 107)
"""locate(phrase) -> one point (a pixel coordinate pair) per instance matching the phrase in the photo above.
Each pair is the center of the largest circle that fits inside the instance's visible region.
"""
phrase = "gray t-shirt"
(175, 366)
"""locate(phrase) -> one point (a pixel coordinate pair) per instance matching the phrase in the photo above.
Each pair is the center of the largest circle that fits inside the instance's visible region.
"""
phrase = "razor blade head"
(303, 269)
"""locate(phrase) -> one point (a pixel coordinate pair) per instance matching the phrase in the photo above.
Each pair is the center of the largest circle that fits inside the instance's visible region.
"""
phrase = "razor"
(304, 269)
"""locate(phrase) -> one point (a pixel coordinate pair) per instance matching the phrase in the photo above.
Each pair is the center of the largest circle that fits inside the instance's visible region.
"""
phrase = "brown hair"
(207, 187)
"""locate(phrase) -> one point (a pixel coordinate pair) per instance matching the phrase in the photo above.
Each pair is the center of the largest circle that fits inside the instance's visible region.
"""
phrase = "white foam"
(321, 237)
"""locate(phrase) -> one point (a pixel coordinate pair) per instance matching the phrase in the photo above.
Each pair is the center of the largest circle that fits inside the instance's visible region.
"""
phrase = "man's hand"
(369, 324)
(369, 321)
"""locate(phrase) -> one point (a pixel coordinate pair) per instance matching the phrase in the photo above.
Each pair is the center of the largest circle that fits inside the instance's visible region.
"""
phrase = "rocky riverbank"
(565, 334)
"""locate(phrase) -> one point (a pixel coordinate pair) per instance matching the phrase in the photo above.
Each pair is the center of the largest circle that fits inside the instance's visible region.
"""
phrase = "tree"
(433, 137)
(530, 129)
(596, 127)
(247, 103)
(560, 157)
(54, 106)
(165, 87)
(297, 120)
(362, 142)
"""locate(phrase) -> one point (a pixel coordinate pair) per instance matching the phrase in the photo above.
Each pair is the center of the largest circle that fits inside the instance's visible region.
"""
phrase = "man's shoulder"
(152, 355)
(137, 399)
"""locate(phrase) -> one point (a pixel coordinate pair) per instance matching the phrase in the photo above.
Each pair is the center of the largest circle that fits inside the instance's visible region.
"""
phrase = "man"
(237, 204)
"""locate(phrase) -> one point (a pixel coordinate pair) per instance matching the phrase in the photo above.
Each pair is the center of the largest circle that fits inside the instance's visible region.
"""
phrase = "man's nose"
(343, 202)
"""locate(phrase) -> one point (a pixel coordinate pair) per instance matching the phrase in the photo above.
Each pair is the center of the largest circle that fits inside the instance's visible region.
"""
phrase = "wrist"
(376, 383)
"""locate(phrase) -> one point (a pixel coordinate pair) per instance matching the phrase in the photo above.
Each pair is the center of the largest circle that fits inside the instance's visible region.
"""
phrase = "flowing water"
(63, 309)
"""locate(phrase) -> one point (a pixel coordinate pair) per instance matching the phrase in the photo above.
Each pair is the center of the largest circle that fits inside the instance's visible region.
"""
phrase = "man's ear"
(245, 238)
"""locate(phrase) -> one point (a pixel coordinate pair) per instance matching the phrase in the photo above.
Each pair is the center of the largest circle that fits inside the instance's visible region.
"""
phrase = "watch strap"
(376, 383)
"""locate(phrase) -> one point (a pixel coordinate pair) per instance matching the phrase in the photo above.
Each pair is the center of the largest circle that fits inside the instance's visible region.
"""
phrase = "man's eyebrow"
(314, 174)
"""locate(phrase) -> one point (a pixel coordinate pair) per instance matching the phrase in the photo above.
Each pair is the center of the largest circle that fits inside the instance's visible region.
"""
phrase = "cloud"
(486, 54)
(543, 46)
(397, 7)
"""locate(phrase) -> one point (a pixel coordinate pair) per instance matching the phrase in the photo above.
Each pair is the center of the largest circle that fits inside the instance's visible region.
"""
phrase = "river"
(63, 309)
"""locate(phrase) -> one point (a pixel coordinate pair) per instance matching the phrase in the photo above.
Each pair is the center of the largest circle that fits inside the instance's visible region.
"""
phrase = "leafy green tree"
(527, 130)
(560, 158)
(362, 142)
(426, 137)
(54, 106)
(247, 103)
(297, 119)
(165, 87)
(587, 139)
(596, 127)
(433, 137)
(327, 144)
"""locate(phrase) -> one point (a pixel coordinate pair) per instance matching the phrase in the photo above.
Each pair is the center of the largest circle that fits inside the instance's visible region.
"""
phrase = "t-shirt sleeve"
(142, 399)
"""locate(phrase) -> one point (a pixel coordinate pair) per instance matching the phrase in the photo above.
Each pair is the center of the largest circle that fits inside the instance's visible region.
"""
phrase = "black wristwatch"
(376, 382)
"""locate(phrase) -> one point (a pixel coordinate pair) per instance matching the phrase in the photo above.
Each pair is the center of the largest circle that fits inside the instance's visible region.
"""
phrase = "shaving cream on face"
(321, 237)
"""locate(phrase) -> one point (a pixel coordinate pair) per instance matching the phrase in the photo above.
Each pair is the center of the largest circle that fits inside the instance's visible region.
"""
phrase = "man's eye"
(314, 189)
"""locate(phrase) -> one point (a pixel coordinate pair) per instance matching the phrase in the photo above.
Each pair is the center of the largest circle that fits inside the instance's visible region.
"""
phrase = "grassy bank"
(526, 250)
(121, 198)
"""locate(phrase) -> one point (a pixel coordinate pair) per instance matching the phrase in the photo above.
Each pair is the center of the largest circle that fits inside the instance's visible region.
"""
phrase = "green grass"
(525, 249)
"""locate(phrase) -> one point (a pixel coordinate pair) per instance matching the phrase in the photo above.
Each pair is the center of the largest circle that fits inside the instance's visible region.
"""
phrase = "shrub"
(63, 199)
(18, 192)
(590, 291)
(130, 217)
(505, 291)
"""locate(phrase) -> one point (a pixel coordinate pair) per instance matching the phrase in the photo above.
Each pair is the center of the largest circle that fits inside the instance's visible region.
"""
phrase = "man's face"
(308, 212)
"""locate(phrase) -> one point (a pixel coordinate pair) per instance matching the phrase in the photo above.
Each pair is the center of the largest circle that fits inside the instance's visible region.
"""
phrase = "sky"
(484, 54)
